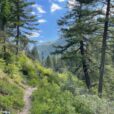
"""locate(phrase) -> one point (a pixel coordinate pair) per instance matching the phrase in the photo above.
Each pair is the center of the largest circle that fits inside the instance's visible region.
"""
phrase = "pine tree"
(5, 11)
(77, 28)
(42, 58)
(103, 50)
(23, 22)
(35, 53)
(48, 62)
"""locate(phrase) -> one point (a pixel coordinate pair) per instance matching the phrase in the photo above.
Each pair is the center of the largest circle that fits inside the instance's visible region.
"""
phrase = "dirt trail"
(27, 100)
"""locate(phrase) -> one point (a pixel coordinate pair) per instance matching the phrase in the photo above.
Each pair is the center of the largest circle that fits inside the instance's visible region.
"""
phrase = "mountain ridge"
(45, 49)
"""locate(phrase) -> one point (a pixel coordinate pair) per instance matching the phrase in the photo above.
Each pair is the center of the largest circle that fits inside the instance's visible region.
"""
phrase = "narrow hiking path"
(27, 99)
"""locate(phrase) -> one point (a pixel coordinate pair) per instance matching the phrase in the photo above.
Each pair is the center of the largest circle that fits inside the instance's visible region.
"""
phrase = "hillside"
(12, 85)
(58, 93)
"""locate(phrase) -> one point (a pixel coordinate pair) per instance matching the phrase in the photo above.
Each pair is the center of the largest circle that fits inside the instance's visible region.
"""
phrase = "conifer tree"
(104, 45)
(5, 11)
(35, 53)
(23, 22)
(77, 28)
(49, 63)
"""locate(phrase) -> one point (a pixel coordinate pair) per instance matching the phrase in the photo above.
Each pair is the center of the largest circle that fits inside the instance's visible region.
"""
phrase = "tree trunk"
(18, 29)
(17, 41)
(85, 68)
(103, 50)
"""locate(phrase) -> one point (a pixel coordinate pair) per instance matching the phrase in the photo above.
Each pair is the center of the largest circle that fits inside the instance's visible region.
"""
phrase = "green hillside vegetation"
(11, 95)
(14, 77)
(66, 94)
(58, 93)
(13, 82)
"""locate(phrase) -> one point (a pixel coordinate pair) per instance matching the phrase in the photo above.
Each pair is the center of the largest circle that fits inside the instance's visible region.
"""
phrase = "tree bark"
(84, 64)
(18, 29)
(17, 41)
(103, 50)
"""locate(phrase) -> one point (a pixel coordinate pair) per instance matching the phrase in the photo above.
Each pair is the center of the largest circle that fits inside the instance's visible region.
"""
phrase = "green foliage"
(44, 71)
(90, 104)
(11, 96)
(6, 9)
(23, 23)
(109, 82)
(57, 93)
(28, 69)
(34, 53)
(49, 99)
(49, 62)
(67, 96)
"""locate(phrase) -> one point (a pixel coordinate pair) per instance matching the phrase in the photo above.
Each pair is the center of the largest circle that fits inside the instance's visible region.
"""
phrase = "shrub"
(28, 69)
(11, 96)
(65, 94)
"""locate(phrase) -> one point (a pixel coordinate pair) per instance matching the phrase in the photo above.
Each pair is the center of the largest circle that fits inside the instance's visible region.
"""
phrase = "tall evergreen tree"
(48, 62)
(104, 44)
(35, 53)
(5, 12)
(23, 22)
(77, 28)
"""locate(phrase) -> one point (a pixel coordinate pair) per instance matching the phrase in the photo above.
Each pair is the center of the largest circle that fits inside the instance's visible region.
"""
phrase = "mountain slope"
(46, 49)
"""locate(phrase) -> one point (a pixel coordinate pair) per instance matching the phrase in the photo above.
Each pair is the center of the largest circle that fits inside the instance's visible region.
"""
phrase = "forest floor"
(27, 99)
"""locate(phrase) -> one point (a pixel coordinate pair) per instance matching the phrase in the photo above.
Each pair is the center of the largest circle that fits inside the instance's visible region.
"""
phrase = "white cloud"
(72, 4)
(57, 0)
(40, 41)
(33, 13)
(55, 7)
(36, 14)
(104, 9)
(39, 8)
(42, 21)
(33, 35)
(61, 0)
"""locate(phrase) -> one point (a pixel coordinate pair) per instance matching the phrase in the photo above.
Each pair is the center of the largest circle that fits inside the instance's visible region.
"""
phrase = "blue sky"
(48, 12)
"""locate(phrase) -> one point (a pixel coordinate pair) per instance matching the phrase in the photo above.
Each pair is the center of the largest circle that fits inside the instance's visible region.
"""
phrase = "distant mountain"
(45, 49)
